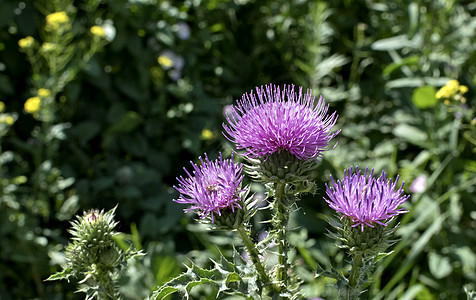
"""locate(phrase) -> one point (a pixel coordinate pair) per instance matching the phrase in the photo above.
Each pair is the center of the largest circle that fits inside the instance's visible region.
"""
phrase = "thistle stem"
(254, 256)
(281, 224)
(107, 285)
(353, 291)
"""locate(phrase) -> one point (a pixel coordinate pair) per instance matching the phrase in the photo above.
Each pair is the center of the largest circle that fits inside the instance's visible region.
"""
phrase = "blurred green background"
(128, 109)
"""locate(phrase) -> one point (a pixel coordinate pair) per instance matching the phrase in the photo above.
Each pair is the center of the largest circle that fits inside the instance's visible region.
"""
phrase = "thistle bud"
(229, 219)
(370, 242)
(94, 255)
(282, 167)
(109, 256)
(92, 240)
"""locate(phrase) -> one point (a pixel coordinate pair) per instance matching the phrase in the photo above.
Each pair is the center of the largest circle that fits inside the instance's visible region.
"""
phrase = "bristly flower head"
(275, 121)
(366, 200)
(212, 187)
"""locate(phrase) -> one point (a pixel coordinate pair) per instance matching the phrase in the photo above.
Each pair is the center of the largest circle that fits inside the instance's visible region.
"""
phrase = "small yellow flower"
(47, 47)
(453, 86)
(2, 106)
(44, 93)
(463, 89)
(165, 61)
(26, 42)
(443, 93)
(6, 119)
(97, 31)
(207, 134)
(55, 20)
(32, 105)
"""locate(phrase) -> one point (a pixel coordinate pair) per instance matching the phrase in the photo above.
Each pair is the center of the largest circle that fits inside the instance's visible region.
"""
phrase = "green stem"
(353, 290)
(281, 224)
(103, 277)
(254, 256)
(356, 265)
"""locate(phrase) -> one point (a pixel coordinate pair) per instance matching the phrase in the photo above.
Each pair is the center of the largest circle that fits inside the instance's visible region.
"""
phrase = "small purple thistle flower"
(365, 199)
(273, 121)
(212, 186)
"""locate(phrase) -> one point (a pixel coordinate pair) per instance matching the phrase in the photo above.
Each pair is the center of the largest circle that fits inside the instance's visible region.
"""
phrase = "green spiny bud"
(109, 256)
(232, 219)
(93, 255)
(281, 167)
(369, 242)
(92, 239)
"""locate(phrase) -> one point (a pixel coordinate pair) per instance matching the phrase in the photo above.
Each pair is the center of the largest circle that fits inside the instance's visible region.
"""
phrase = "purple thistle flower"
(212, 186)
(273, 121)
(365, 199)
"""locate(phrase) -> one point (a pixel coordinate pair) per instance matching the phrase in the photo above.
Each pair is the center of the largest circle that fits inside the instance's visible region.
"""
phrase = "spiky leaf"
(65, 274)
(225, 276)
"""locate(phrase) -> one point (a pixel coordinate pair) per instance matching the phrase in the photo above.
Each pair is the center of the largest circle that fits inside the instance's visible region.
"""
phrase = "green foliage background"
(124, 127)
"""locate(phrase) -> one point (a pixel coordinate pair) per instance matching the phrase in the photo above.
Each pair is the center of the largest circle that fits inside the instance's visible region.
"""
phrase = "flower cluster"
(452, 90)
(283, 134)
(275, 121)
(364, 199)
(32, 105)
(97, 31)
(43, 93)
(56, 20)
(5, 118)
(48, 47)
(212, 187)
(26, 42)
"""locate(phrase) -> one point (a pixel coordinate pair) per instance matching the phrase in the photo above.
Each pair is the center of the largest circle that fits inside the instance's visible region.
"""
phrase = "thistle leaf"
(164, 292)
(65, 274)
(225, 276)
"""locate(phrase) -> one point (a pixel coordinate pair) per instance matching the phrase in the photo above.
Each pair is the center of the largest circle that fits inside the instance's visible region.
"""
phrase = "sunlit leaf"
(440, 266)
(424, 97)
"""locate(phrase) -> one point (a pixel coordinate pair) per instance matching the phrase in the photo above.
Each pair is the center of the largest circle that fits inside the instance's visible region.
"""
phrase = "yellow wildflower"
(97, 31)
(165, 61)
(452, 91)
(2, 106)
(444, 92)
(47, 47)
(32, 105)
(207, 134)
(453, 86)
(55, 20)
(7, 119)
(44, 93)
(26, 42)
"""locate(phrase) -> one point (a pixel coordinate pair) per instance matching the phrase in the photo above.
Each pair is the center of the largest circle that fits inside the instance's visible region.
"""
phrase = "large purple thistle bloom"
(273, 121)
(364, 199)
(211, 187)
